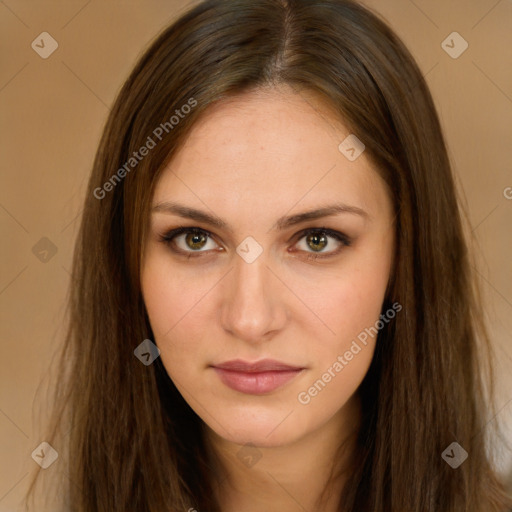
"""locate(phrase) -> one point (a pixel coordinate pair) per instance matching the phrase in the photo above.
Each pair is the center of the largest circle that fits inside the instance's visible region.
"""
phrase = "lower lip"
(255, 383)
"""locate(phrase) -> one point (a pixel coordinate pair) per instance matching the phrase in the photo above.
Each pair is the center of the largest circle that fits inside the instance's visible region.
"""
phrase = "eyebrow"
(281, 224)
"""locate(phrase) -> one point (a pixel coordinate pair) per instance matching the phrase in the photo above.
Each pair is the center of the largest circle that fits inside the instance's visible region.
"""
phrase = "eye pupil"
(315, 237)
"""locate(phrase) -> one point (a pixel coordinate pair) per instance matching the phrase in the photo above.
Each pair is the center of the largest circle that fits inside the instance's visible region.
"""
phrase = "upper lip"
(265, 365)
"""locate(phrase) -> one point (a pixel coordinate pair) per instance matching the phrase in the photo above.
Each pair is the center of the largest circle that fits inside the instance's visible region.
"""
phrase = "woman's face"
(248, 288)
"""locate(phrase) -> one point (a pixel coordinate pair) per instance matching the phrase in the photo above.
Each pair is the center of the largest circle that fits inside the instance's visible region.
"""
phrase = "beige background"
(53, 111)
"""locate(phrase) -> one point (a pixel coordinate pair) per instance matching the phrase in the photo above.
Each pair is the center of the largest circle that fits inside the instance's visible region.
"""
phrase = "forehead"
(269, 148)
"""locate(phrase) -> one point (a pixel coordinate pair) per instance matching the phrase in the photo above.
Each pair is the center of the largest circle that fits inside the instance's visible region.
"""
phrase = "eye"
(190, 240)
(317, 239)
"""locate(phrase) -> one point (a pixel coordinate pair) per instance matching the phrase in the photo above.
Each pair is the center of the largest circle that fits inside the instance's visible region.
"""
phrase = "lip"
(264, 365)
(256, 378)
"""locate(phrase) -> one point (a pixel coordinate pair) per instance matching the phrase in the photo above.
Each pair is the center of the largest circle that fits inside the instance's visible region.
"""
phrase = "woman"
(272, 305)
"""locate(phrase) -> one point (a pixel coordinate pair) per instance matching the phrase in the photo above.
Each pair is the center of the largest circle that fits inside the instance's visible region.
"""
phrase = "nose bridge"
(251, 306)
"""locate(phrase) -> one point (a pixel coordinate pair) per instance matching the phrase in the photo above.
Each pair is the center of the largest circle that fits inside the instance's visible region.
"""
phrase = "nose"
(254, 306)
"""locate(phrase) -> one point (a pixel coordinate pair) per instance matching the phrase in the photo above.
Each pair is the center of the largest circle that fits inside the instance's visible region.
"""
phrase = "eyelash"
(168, 238)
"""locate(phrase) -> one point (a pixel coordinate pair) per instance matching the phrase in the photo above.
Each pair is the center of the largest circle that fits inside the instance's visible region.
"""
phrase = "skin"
(250, 160)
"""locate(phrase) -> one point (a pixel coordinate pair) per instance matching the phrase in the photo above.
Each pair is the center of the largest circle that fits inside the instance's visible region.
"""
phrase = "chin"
(260, 428)
(258, 438)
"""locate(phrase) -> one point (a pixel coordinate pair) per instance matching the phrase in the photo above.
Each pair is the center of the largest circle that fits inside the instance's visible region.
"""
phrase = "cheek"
(177, 303)
(350, 306)
(347, 302)
(341, 360)
(169, 294)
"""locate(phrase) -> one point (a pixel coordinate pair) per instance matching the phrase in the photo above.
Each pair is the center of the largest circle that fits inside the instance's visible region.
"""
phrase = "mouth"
(256, 378)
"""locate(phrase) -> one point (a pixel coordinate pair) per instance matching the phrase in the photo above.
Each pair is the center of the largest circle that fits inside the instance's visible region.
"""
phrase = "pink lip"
(265, 365)
(256, 378)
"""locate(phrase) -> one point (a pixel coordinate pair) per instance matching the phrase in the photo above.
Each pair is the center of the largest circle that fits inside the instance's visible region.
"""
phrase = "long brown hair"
(132, 442)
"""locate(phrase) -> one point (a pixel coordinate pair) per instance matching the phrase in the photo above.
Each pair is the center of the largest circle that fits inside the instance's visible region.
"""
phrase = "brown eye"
(316, 240)
(195, 240)
(188, 240)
